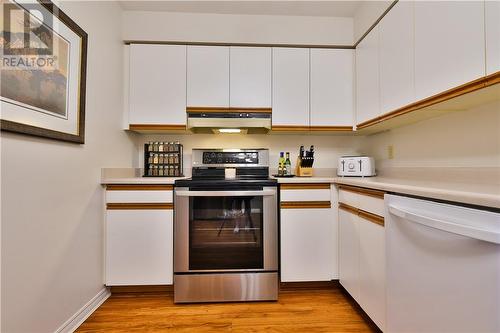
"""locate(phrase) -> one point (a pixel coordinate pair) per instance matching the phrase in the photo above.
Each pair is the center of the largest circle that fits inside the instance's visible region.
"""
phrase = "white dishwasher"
(443, 267)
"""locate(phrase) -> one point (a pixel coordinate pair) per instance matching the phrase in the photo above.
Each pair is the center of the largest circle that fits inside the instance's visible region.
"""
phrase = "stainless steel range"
(226, 230)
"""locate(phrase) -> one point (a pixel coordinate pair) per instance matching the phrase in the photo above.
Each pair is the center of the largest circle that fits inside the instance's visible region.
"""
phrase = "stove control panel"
(215, 157)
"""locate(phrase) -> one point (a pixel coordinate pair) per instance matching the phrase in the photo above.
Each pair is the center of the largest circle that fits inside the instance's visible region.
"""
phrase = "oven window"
(226, 233)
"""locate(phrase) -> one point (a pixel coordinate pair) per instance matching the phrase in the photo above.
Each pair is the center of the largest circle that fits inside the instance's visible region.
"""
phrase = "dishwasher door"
(443, 267)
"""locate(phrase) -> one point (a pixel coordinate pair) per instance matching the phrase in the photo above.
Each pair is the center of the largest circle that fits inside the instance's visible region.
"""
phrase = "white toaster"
(359, 166)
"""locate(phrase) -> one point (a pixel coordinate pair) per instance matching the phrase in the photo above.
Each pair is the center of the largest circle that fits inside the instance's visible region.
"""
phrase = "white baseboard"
(81, 315)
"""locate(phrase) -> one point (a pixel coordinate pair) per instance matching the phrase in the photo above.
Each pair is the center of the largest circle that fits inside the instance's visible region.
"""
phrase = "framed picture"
(43, 69)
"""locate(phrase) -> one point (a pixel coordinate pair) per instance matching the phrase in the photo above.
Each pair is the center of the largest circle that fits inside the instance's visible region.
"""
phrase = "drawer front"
(139, 194)
(305, 192)
(368, 200)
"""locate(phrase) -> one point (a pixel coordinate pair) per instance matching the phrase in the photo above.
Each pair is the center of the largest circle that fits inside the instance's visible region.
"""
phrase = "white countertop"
(478, 186)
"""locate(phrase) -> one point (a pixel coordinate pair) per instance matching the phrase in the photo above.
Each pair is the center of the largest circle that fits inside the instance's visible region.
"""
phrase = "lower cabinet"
(372, 270)
(308, 233)
(362, 250)
(362, 263)
(349, 252)
(308, 249)
(139, 247)
(139, 235)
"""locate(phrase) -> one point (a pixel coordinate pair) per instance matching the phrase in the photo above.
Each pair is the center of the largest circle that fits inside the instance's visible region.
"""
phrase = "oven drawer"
(305, 192)
(228, 287)
(139, 194)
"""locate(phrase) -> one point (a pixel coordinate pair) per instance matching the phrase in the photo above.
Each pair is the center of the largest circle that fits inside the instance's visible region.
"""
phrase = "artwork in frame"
(43, 67)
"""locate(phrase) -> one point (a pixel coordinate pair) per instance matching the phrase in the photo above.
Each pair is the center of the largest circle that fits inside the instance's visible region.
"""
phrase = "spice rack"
(163, 159)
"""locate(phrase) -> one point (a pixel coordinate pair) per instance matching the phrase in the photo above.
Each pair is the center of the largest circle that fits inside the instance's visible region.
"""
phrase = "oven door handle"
(224, 193)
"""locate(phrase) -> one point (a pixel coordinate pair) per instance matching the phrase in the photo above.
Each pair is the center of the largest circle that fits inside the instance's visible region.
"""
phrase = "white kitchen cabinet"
(492, 25)
(250, 77)
(397, 86)
(349, 252)
(308, 250)
(139, 247)
(290, 87)
(332, 85)
(208, 76)
(157, 84)
(449, 45)
(372, 270)
(362, 249)
(367, 77)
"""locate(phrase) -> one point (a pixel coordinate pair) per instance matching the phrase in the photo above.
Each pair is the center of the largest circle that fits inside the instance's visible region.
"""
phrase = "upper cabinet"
(397, 80)
(250, 77)
(208, 76)
(367, 77)
(492, 25)
(449, 45)
(290, 87)
(157, 85)
(331, 87)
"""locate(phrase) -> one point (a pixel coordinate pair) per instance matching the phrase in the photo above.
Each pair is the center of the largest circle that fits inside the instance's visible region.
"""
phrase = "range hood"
(229, 120)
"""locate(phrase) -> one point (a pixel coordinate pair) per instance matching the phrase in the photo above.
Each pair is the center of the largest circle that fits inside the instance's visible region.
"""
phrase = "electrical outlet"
(390, 152)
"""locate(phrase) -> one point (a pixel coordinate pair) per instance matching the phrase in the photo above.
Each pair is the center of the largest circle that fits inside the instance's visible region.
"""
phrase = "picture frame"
(43, 72)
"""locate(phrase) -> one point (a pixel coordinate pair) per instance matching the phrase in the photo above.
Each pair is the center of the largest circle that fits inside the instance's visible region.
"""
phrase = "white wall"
(52, 203)
(328, 148)
(366, 14)
(195, 27)
(462, 139)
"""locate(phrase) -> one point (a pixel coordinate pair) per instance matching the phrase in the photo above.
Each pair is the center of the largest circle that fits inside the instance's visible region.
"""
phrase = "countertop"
(474, 186)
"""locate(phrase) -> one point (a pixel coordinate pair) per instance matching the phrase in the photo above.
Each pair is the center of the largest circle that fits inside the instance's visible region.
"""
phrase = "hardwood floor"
(328, 310)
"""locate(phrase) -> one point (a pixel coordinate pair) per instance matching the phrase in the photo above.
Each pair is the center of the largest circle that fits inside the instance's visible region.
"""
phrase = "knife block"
(301, 171)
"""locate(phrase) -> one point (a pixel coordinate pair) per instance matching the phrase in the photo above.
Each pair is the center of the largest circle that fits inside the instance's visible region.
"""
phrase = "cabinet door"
(208, 76)
(492, 18)
(139, 247)
(290, 87)
(397, 86)
(332, 84)
(308, 245)
(157, 84)
(250, 77)
(349, 252)
(449, 45)
(372, 270)
(367, 78)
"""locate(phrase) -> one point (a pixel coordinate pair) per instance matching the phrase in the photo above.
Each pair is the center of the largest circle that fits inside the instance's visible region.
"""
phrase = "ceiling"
(250, 7)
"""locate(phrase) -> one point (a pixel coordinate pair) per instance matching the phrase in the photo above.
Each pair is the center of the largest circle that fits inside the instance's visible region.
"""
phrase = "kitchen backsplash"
(327, 148)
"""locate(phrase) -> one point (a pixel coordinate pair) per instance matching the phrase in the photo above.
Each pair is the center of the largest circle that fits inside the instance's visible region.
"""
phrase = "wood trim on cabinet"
(331, 128)
(363, 191)
(139, 206)
(374, 218)
(286, 128)
(156, 127)
(313, 46)
(468, 87)
(305, 186)
(305, 204)
(139, 187)
(348, 208)
(207, 109)
(293, 128)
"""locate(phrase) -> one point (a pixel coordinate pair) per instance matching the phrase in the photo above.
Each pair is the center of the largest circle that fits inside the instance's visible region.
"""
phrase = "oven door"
(219, 230)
